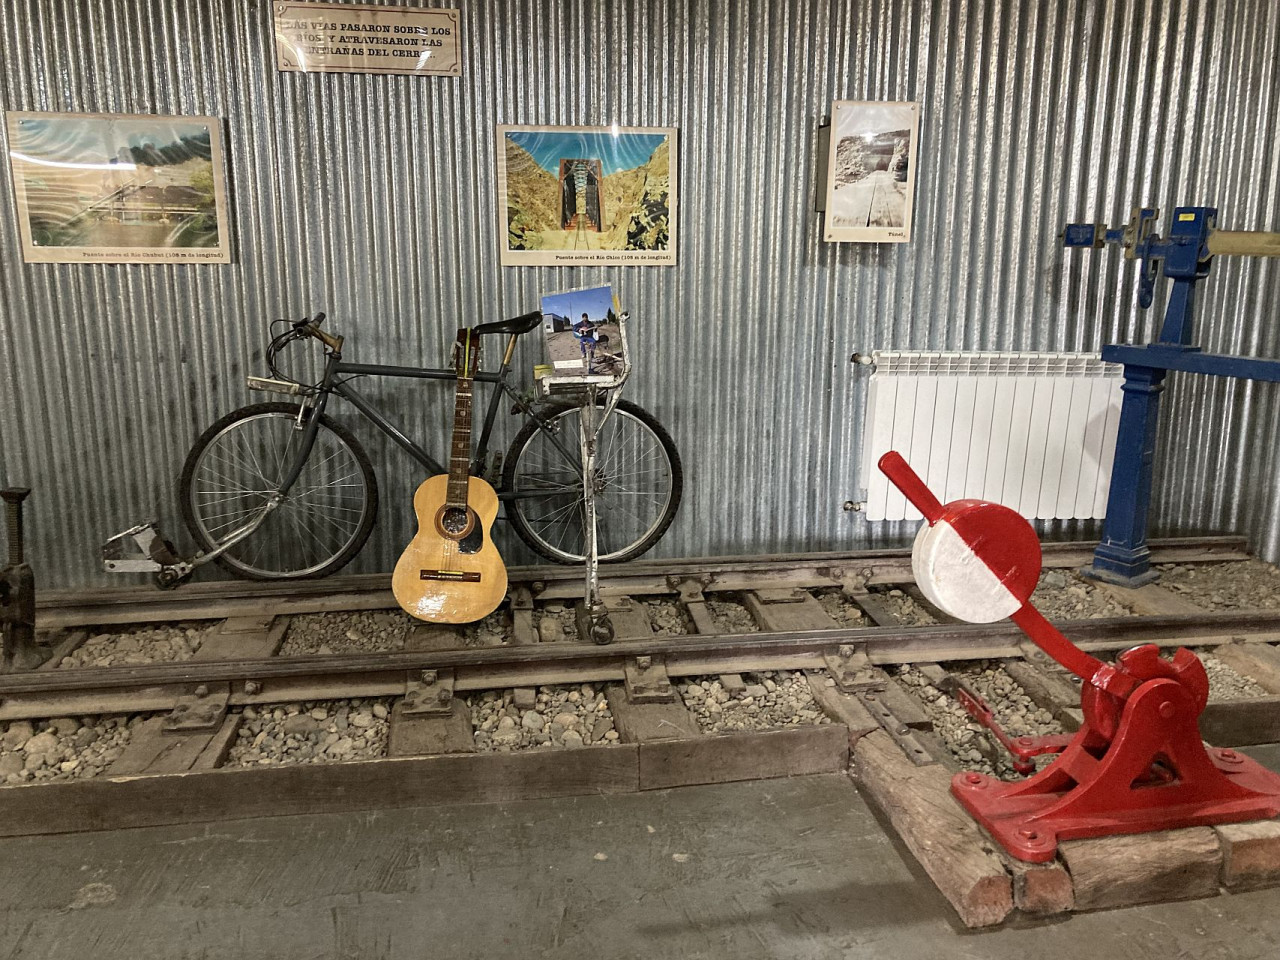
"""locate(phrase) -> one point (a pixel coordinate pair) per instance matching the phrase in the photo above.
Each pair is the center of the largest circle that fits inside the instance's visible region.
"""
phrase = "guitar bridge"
(458, 576)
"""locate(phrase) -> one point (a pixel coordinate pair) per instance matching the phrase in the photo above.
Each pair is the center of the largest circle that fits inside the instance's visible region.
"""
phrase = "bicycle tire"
(229, 561)
(515, 510)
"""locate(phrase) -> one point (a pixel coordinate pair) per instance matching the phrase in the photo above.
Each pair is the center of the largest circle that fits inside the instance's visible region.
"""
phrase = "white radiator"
(1034, 431)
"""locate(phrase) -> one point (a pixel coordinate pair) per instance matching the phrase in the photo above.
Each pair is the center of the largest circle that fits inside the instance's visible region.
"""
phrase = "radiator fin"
(1034, 431)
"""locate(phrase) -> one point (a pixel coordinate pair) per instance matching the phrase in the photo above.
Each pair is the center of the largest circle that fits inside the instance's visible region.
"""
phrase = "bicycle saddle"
(516, 325)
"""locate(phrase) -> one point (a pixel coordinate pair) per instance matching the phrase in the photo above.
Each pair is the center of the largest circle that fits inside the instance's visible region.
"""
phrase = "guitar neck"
(460, 451)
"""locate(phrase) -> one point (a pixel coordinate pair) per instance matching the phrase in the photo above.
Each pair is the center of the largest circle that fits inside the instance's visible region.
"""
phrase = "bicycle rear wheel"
(237, 465)
(639, 482)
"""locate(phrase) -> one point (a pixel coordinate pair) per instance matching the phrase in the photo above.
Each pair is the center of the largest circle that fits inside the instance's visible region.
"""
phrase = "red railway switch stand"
(1137, 763)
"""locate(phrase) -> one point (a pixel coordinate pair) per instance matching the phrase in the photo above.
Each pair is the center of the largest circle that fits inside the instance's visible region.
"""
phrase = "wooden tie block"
(950, 847)
(1250, 854)
(1143, 867)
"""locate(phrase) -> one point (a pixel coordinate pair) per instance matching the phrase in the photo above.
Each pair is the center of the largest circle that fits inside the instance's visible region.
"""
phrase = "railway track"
(187, 716)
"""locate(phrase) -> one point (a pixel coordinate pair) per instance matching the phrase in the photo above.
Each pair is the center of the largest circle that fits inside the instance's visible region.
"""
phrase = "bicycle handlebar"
(311, 328)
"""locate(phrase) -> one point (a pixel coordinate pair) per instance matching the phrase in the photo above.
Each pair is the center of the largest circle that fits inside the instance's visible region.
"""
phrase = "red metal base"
(1153, 774)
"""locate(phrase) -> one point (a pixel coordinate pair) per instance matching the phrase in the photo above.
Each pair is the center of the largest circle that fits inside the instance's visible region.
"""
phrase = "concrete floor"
(771, 869)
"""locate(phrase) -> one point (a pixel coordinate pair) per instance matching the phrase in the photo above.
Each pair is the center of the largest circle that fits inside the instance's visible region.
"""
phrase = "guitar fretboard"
(460, 452)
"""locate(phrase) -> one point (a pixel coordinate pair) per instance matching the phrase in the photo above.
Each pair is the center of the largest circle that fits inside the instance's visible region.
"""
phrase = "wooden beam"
(1150, 600)
(645, 722)
(1250, 854)
(942, 837)
(723, 758)
(1255, 660)
(114, 803)
(842, 708)
(1143, 868)
(151, 750)
(1241, 723)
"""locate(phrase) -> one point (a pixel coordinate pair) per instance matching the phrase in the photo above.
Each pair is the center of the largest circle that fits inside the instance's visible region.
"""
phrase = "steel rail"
(883, 645)
(217, 599)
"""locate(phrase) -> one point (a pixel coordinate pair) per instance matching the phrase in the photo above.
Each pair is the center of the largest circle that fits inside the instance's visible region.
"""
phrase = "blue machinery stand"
(1123, 557)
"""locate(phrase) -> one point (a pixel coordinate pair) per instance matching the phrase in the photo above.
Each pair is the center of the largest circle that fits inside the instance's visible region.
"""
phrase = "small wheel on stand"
(594, 622)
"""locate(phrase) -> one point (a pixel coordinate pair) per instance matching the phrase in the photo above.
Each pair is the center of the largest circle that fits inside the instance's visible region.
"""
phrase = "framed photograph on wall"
(871, 171)
(572, 195)
(119, 188)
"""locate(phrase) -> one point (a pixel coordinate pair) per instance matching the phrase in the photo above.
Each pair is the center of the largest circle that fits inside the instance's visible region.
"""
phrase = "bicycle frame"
(332, 383)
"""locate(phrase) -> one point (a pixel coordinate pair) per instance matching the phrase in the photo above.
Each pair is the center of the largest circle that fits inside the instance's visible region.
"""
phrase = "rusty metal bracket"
(871, 698)
(428, 692)
(202, 709)
(851, 668)
(647, 681)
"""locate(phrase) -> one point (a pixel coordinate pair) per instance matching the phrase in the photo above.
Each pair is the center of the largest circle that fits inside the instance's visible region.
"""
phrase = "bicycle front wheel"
(638, 483)
(237, 465)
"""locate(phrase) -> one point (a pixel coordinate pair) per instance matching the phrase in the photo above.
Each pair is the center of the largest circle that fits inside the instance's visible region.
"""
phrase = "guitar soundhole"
(454, 521)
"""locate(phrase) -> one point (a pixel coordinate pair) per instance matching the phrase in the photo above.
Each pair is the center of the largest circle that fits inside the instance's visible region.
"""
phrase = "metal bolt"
(1028, 834)
(867, 573)
(1025, 741)
(1230, 756)
(1168, 709)
(973, 778)
(644, 663)
(444, 695)
(902, 731)
(537, 586)
(252, 688)
(202, 690)
(846, 650)
(837, 572)
(429, 676)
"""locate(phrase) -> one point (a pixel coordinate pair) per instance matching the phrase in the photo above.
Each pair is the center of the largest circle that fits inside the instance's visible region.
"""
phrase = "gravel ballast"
(1063, 595)
(732, 617)
(362, 631)
(770, 700)
(570, 716)
(62, 749)
(1241, 585)
(840, 608)
(149, 643)
(312, 732)
(967, 739)
(1225, 683)
(905, 609)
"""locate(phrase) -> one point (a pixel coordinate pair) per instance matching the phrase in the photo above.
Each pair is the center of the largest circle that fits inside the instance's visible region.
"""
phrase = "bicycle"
(280, 490)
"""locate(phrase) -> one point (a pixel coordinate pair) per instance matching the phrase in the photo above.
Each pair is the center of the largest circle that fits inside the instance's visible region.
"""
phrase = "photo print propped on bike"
(585, 339)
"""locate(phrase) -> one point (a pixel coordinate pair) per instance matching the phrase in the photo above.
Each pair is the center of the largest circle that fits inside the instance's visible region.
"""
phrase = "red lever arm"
(893, 466)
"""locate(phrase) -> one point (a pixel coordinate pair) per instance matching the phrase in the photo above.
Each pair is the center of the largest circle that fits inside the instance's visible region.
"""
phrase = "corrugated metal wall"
(373, 198)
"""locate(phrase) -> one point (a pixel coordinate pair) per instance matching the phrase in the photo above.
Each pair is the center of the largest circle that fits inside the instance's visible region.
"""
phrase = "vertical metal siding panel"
(373, 198)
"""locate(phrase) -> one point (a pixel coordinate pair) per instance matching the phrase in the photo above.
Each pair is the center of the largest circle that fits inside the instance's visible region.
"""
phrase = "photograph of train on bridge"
(587, 195)
(118, 188)
(871, 170)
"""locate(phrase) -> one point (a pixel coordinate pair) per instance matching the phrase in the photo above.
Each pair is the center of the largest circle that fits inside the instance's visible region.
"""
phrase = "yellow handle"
(1244, 243)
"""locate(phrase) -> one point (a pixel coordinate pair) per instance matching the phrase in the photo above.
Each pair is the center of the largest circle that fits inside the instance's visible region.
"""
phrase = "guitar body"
(451, 572)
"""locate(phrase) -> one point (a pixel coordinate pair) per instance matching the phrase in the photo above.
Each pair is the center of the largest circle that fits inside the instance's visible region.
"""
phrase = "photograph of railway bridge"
(587, 194)
(118, 188)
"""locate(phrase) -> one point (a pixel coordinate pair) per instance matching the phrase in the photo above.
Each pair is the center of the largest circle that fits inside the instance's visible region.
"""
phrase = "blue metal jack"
(1123, 557)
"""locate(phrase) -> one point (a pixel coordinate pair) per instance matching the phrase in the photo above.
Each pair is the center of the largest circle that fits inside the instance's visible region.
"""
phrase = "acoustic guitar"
(451, 571)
